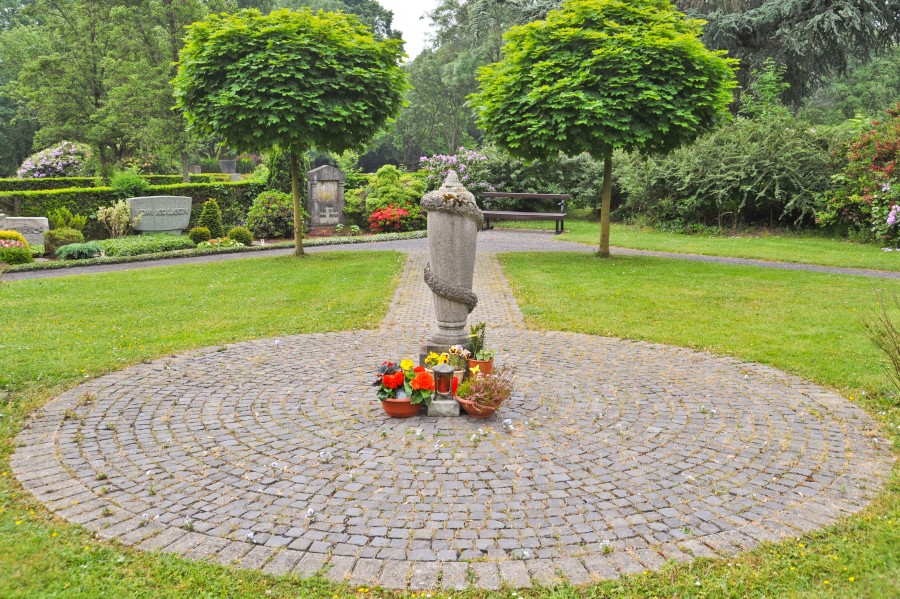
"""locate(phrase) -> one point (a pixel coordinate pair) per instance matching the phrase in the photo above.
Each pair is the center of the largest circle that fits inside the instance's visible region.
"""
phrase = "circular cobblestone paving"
(614, 456)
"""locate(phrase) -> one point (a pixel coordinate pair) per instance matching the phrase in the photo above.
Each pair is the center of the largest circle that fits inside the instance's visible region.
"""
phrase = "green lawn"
(780, 248)
(807, 323)
(61, 330)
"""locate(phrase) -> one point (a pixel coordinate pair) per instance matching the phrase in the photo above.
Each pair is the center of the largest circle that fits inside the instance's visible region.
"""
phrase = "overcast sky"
(406, 19)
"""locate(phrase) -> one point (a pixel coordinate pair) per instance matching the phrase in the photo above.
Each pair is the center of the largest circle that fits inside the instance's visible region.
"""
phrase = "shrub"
(220, 242)
(339, 229)
(389, 187)
(241, 235)
(62, 218)
(65, 159)
(468, 164)
(117, 219)
(355, 230)
(762, 171)
(198, 234)
(211, 218)
(53, 183)
(387, 220)
(14, 248)
(79, 251)
(272, 216)
(136, 245)
(37, 251)
(57, 238)
(866, 193)
(129, 183)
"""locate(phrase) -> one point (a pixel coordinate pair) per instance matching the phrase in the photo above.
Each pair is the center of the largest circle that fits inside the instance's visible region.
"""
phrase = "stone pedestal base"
(443, 407)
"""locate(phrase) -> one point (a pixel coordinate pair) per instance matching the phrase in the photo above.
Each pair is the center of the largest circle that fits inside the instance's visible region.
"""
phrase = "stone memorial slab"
(32, 227)
(229, 167)
(161, 214)
(194, 169)
(326, 196)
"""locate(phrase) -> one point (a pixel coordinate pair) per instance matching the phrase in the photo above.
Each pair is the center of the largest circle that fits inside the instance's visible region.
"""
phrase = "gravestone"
(194, 169)
(229, 167)
(31, 227)
(326, 196)
(161, 214)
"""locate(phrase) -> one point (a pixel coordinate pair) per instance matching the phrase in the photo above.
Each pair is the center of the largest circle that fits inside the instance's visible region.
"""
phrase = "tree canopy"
(289, 80)
(598, 75)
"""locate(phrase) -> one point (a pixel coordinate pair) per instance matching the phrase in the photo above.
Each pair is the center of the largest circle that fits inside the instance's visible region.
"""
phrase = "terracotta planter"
(484, 366)
(400, 408)
(476, 411)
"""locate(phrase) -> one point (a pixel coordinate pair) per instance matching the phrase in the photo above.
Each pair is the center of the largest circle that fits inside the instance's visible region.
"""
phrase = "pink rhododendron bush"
(65, 159)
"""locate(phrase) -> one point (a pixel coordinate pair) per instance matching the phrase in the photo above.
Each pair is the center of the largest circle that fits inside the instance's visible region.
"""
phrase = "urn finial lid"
(451, 181)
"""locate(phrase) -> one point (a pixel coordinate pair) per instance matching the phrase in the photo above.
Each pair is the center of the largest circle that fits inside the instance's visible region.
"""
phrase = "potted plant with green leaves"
(481, 394)
(480, 356)
(403, 388)
(456, 356)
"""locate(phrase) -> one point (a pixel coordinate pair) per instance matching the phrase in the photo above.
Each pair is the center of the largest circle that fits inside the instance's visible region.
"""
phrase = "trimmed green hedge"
(310, 242)
(16, 184)
(136, 245)
(234, 199)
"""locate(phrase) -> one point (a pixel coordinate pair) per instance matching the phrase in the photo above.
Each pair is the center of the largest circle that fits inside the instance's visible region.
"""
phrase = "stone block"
(31, 227)
(325, 203)
(161, 214)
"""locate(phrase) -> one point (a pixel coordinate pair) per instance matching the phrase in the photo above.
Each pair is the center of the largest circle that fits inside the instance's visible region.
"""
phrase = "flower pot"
(476, 411)
(400, 408)
(484, 366)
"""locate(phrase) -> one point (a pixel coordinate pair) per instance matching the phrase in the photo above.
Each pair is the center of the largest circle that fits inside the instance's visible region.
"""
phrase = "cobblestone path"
(273, 454)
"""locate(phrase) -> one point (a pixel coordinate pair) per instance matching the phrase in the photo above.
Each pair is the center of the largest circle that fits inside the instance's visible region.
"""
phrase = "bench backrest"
(562, 197)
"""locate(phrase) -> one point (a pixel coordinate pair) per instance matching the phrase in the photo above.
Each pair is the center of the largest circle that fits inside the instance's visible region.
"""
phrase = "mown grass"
(140, 314)
(802, 249)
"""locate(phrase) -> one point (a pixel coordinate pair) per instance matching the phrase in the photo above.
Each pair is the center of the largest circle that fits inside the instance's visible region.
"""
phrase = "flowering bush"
(457, 357)
(220, 242)
(487, 390)
(14, 249)
(413, 381)
(390, 186)
(866, 194)
(468, 164)
(387, 220)
(66, 159)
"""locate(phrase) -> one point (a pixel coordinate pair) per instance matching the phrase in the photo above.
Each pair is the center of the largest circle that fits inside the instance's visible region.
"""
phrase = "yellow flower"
(53, 535)
(406, 364)
(443, 358)
(18, 522)
(475, 369)
(432, 358)
(851, 579)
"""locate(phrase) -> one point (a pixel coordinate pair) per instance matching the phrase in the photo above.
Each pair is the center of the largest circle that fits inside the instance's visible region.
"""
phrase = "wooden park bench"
(491, 215)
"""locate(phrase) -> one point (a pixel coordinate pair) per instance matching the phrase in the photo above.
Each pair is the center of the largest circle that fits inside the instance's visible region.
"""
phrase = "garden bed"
(319, 241)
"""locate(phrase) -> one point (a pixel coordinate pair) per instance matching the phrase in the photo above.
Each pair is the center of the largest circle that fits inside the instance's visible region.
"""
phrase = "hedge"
(233, 198)
(16, 184)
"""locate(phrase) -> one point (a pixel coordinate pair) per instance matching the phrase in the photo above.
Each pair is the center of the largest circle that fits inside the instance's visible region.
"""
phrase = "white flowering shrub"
(65, 159)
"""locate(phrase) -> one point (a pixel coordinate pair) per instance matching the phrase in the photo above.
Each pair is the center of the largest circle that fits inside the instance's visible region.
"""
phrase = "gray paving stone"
(455, 576)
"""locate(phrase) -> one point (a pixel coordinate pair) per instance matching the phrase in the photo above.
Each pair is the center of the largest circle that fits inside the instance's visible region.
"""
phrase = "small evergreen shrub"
(79, 251)
(241, 235)
(339, 229)
(355, 230)
(54, 239)
(272, 216)
(62, 218)
(137, 245)
(14, 248)
(211, 218)
(389, 187)
(129, 183)
(65, 159)
(199, 234)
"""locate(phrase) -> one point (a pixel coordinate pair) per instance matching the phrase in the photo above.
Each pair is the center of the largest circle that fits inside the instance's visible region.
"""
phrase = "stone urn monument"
(453, 224)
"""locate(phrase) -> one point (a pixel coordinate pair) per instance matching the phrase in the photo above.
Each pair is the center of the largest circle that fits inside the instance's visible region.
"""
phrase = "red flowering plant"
(865, 195)
(388, 219)
(405, 379)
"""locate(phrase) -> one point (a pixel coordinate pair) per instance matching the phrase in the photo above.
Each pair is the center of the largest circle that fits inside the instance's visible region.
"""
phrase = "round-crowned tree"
(290, 81)
(597, 75)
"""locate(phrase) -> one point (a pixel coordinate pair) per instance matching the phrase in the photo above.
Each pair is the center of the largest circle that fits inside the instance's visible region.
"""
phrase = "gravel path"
(274, 454)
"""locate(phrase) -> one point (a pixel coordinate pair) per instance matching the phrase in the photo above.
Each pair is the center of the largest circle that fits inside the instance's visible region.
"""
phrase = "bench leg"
(560, 227)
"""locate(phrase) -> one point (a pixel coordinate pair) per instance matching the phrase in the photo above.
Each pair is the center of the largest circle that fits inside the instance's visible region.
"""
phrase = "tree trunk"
(605, 202)
(185, 175)
(298, 215)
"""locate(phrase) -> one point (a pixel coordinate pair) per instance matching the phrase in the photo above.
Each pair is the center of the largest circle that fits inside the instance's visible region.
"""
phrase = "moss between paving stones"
(312, 242)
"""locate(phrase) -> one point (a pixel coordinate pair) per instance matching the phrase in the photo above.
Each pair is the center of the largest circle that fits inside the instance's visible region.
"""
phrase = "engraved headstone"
(31, 227)
(229, 167)
(326, 196)
(194, 169)
(161, 214)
